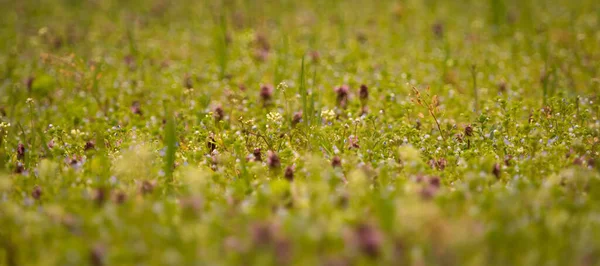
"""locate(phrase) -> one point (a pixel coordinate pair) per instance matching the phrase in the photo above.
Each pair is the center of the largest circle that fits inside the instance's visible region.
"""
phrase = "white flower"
(274, 117)
(282, 86)
(328, 114)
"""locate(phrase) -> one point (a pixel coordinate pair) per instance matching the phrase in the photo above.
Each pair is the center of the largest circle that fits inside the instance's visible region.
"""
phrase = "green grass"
(135, 132)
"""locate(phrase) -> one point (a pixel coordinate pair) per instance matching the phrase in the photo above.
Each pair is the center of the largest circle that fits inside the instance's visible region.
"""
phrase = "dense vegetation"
(299, 132)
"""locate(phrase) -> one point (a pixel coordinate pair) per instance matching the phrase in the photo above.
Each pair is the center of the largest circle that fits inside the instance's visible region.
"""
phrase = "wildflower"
(273, 160)
(214, 159)
(266, 93)
(315, 56)
(434, 181)
(257, 155)
(496, 170)
(282, 86)
(232, 244)
(218, 113)
(242, 87)
(364, 110)
(262, 42)
(120, 197)
(37, 192)
(363, 93)
(328, 114)
(20, 151)
(369, 239)
(502, 86)
(73, 161)
(191, 203)
(342, 95)
(261, 55)
(507, 160)
(135, 108)
(211, 144)
(29, 83)
(147, 187)
(469, 131)
(130, 61)
(99, 196)
(361, 37)
(459, 137)
(274, 117)
(353, 142)
(297, 118)
(19, 168)
(29, 101)
(427, 192)
(283, 251)
(89, 145)
(262, 234)
(97, 254)
(438, 29)
(336, 162)
(440, 164)
(289, 173)
(187, 81)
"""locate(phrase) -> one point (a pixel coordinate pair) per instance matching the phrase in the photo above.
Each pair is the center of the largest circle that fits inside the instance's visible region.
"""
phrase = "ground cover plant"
(229, 132)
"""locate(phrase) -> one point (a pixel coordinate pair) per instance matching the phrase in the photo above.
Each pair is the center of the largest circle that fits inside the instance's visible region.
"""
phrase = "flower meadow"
(231, 132)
